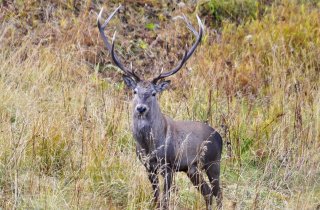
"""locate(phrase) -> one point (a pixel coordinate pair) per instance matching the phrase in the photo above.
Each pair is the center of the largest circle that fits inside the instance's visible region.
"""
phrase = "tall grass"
(65, 115)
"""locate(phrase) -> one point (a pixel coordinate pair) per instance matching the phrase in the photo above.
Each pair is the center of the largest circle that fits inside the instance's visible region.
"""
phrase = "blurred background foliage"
(65, 113)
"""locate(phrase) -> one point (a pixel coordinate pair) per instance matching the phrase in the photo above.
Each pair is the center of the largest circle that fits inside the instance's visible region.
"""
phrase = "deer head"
(144, 90)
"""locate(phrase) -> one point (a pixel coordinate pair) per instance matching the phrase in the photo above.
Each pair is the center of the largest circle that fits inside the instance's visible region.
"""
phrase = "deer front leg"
(167, 175)
(153, 177)
(151, 165)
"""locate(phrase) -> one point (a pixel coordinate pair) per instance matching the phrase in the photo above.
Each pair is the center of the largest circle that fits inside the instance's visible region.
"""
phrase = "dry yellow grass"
(65, 116)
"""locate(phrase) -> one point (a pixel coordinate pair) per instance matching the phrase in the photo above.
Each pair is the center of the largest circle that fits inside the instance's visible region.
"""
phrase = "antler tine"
(189, 26)
(109, 46)
(187, 54)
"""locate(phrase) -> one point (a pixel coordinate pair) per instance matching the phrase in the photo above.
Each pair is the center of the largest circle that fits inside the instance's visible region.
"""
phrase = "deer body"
(180, 144)
(166, 146)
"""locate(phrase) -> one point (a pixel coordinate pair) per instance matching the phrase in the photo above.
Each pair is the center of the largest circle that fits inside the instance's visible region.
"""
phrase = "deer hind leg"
(198, 181)
(213, 172)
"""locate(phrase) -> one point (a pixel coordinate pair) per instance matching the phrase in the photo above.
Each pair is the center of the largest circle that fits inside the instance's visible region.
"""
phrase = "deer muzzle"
(141, 109)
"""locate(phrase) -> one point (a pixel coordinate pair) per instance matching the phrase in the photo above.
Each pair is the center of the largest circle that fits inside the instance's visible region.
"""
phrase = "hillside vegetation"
(65, 114)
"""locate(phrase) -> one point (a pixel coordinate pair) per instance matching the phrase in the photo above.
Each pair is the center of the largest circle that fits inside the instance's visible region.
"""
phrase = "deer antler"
(110, 47)
(187, 54)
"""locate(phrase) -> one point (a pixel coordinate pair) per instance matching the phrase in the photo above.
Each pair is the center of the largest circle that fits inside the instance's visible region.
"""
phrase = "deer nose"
(141, 109)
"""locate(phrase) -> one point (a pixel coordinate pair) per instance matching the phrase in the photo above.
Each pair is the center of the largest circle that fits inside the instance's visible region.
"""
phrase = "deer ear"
(162, 86)
(129, 82)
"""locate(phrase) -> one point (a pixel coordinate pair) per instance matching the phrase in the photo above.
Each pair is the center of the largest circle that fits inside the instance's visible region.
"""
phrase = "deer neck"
(149, 130)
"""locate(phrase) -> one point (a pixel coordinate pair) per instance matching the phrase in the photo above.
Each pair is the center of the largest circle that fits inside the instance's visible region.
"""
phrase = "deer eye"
(134, 92)
(154, 94)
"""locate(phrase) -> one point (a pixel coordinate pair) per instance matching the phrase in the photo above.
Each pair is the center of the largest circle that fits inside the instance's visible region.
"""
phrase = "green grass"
(65, 113)
(238, 11)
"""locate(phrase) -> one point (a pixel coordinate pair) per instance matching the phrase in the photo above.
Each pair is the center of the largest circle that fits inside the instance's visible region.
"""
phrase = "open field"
(65, 140)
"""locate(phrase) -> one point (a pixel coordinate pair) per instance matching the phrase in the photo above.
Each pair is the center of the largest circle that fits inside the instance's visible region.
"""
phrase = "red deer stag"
(164, 145)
